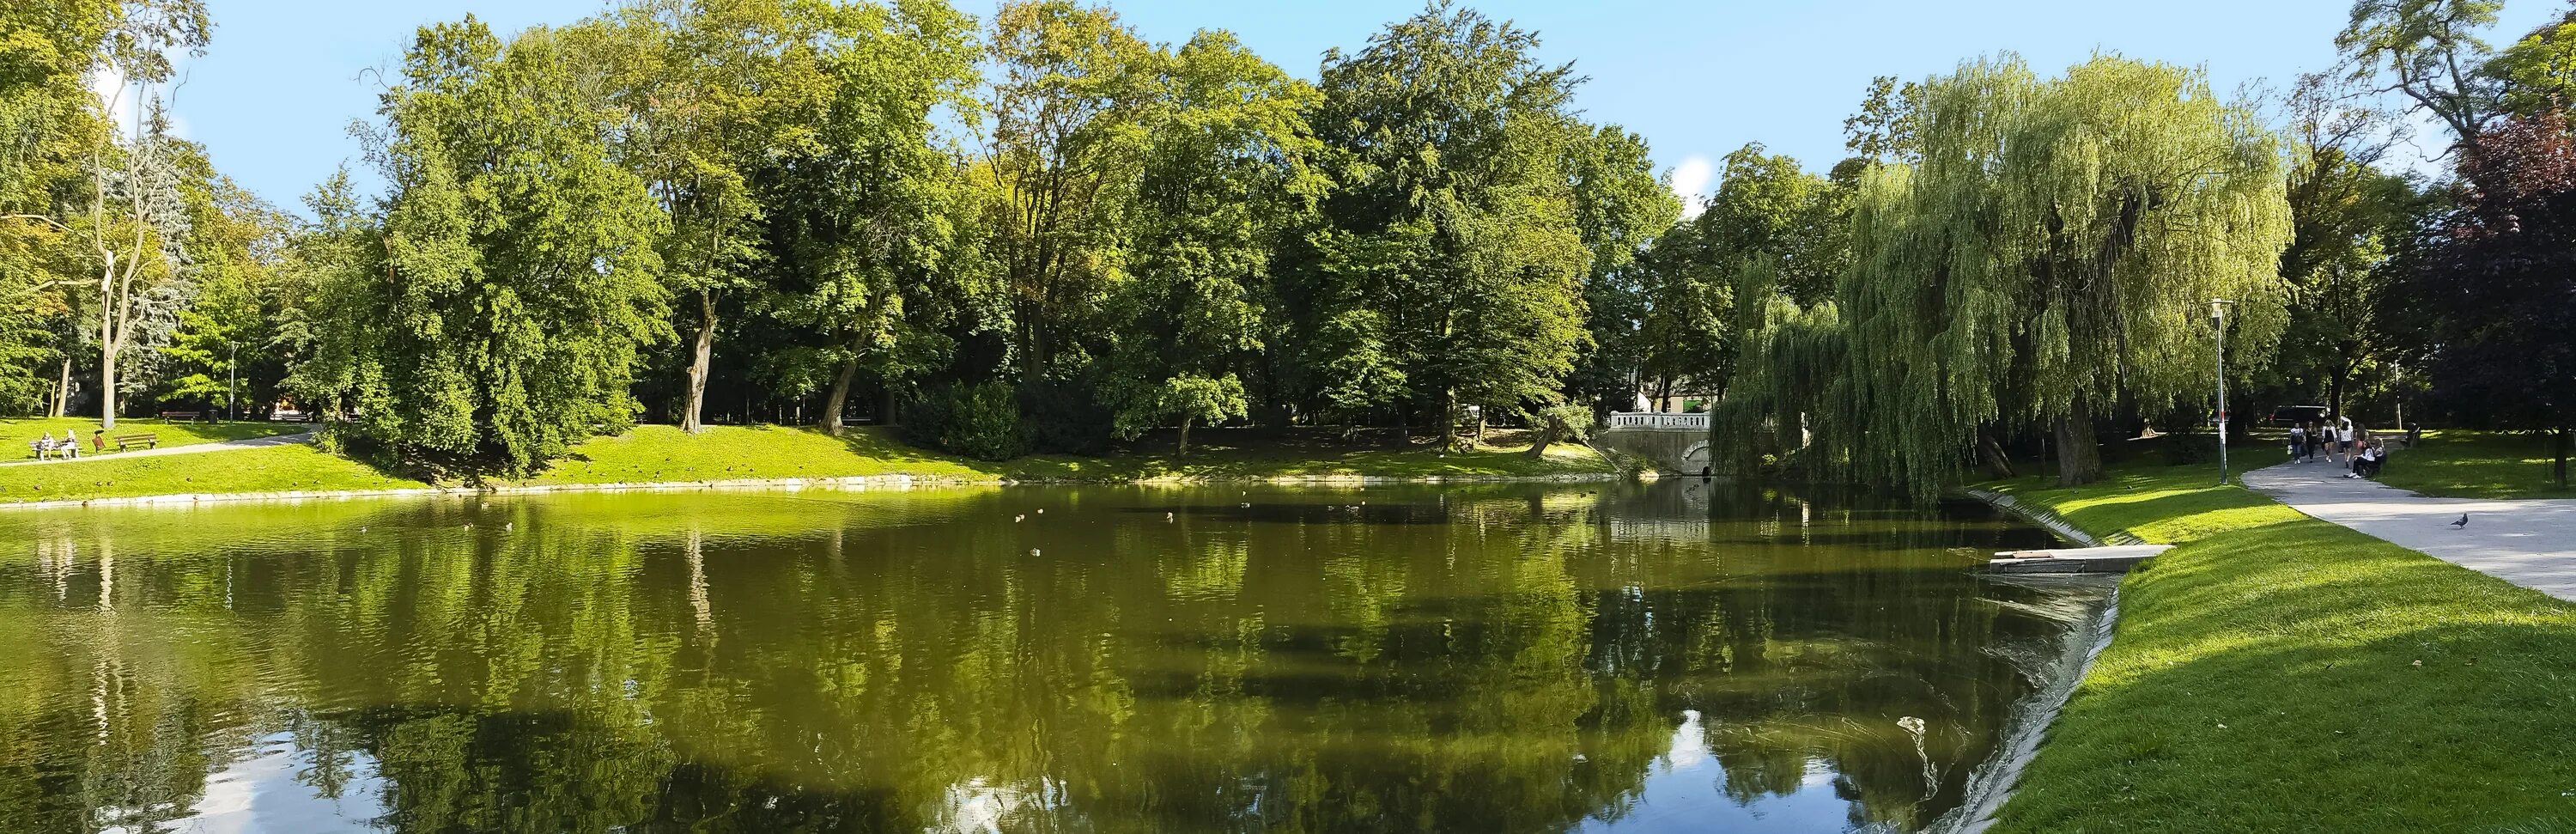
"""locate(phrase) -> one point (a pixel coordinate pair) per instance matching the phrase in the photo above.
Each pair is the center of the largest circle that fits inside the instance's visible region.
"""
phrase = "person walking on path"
(2343, 440)
(2298, 443)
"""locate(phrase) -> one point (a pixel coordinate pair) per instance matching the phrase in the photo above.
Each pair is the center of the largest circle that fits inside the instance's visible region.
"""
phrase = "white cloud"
(1690, 180)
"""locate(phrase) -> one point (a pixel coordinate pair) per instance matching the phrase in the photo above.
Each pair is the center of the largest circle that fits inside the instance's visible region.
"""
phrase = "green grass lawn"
(2474, 464)
(270, 469)
(2279, 673)
(15, 434)
(722, 453)
(1225, 456)
(664, 453)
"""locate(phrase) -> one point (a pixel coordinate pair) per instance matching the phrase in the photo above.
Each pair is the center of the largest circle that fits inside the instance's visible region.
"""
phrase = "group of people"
(2339, 440)
(69, 446)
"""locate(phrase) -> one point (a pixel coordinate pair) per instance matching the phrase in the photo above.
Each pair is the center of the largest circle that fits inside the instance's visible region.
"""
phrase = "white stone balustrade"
(1673, 420)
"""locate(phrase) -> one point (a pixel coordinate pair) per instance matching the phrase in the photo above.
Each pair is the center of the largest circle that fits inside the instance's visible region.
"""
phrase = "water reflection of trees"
(1499, 659)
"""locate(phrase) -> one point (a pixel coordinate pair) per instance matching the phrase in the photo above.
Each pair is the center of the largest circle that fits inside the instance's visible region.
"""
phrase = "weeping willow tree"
(1794, 392)
(2050, 258)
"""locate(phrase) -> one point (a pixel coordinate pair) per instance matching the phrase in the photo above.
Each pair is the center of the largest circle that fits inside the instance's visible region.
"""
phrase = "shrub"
(979, 421)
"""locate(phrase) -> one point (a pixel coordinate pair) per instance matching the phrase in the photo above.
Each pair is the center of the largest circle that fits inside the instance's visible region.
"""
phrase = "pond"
(1676, 656)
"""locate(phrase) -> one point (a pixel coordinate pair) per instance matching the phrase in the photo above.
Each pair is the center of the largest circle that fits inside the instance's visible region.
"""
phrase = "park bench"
(146, 440)
(180, 415)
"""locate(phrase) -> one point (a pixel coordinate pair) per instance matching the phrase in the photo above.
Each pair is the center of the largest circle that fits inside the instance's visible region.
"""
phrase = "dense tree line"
(1044, 232)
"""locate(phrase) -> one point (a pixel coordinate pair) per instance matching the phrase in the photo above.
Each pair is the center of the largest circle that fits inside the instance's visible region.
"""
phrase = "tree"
(2429, 51)
(869, 220)
(1223, 179)
(50, 129)
(712, 90)
(1447, 270)
(1621, 208)
(499, 316)
(238, 245)
(2501, 282)
(132, 222)
(2053, 255)
(2538, 73)
(1072, 90)
(2346, 217)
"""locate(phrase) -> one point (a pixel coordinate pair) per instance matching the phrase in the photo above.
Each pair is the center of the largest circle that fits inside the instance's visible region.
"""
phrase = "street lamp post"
(232, 380)
(2218, 323)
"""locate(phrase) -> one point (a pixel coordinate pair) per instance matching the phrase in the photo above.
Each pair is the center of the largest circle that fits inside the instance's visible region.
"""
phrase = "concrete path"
(2531, 543)
(190, 449)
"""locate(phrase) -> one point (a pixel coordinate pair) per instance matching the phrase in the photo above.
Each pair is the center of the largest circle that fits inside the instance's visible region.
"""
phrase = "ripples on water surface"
(1674, 657)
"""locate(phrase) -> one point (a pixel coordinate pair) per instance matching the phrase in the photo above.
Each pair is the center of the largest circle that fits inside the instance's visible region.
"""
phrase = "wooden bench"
(180, 415)
(146, 440)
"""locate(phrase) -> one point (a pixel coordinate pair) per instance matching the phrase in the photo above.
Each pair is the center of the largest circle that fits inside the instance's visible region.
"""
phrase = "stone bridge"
(1675, 442)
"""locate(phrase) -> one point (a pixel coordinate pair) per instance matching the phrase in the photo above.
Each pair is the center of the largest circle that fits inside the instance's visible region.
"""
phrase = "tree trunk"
(106, 380)
(1547, 436)
(2564, 441)
(1185, 434)
(2079, 453)
(691, 415)
(839, 397)
(63, 391)
(1991, 455)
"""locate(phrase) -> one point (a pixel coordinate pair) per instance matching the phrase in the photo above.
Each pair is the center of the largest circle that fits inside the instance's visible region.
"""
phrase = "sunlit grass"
(2155, 502)
(2279, 673)
(15, 434)
(664, 454)
(270, 469)
(2469, 464)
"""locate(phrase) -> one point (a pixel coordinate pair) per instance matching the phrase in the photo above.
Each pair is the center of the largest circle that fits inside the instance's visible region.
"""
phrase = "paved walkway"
(190, 449)
(2531, 543)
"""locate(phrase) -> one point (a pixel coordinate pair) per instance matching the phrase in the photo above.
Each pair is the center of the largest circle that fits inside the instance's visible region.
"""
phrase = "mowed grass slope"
(2276, 673)
(268, 469)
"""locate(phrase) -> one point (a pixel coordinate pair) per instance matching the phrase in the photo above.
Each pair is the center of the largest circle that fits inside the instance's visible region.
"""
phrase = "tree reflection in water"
(1496, 659)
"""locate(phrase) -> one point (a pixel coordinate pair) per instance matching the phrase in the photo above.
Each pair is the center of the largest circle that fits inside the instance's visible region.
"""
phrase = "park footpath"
(190, 449)
(2528, 542)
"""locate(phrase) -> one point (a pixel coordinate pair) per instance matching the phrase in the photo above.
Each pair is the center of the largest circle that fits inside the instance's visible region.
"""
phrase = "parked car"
(2296, 415)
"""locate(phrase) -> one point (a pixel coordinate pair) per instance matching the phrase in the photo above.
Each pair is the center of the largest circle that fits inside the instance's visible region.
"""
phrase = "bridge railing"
(1696, 421)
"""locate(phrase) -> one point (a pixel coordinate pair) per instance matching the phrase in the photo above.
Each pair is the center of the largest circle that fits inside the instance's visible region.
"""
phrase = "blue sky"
(283, 78)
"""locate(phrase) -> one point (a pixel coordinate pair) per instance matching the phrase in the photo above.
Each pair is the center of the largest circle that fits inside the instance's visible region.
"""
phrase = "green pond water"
(1678, 656)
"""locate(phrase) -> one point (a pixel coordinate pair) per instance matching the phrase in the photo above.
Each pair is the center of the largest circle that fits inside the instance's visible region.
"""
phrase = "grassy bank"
(723, 453)
(663, 453)
(2476, 464)
(268, 469)
(2279, 673)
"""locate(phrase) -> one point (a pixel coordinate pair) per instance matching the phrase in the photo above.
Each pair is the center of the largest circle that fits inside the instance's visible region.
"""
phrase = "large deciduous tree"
(2053, 254)
(1070, 95)
(1448, 268)
(130, 218)
(2500, 280)
(711, 91)
(870, 219)
(1223, 178)
(499, 317)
